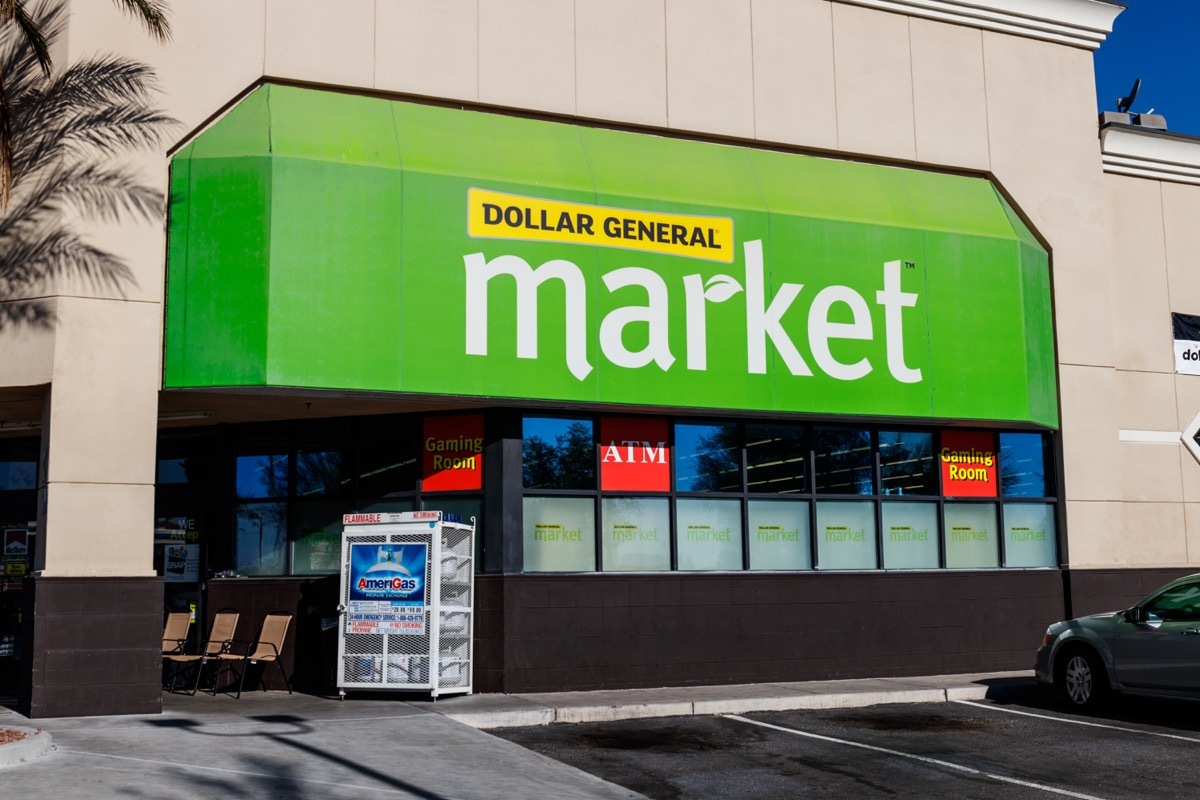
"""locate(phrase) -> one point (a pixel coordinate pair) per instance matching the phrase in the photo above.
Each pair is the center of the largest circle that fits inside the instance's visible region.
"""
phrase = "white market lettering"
(764, 317)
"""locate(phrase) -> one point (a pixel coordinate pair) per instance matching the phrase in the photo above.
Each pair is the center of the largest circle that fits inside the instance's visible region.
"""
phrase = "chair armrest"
(269, 644)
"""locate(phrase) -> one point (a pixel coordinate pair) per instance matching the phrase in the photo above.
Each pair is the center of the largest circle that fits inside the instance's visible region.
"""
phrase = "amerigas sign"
(374, 245)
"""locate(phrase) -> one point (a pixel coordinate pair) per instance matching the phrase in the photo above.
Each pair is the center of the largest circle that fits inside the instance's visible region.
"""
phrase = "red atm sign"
(634, 456)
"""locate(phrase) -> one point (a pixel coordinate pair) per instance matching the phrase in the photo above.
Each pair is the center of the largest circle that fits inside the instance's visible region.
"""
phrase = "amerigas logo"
(763, 320)
(388, 577)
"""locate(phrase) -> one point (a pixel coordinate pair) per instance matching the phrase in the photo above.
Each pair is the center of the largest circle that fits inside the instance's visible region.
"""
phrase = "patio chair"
(175, 632)
(220, 638)
(266, 648)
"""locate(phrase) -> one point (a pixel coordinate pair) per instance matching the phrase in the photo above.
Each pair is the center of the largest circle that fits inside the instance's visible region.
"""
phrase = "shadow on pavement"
(1122, 709)
(281, 782)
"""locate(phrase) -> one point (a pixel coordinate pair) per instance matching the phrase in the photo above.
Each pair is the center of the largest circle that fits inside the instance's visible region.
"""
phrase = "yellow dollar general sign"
(494, 215)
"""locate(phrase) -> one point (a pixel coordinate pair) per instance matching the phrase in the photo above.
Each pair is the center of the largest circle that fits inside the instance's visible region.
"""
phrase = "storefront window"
(560, 534)
(387, 457)
(910, 535)
(170, 470)
(317, 542)
(558, 453)
(906, 464)
(636, 533)
(322, 472)
(18, 474)
(706, 458)
(844, 462)
(971, 540)
(387, 505)
(262, 475)
(1023, 459)
(776, 458)
(261, 544)
(1029, 535)
(709, 534)
(779, 535)
(846, 535)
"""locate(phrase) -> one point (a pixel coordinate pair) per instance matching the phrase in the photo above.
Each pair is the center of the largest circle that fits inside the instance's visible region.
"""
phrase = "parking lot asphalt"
(1025, 745)
(960, 736)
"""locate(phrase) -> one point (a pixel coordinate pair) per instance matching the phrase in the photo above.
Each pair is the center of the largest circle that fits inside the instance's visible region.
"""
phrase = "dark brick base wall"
(566, 632)
(601, 631)
(95, 647)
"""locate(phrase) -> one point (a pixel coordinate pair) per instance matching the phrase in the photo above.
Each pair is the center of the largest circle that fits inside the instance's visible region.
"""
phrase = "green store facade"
(725, 408)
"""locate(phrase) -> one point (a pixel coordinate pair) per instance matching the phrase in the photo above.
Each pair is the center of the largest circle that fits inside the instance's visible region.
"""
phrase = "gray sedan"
(1152, 648)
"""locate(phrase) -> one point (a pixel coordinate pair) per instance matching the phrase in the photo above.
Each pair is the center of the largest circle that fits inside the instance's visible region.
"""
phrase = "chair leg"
(242, 679)
(199, 671)
(282, 672)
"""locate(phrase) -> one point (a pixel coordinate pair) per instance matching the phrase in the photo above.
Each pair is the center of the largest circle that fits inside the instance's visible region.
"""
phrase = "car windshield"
(1180, 602)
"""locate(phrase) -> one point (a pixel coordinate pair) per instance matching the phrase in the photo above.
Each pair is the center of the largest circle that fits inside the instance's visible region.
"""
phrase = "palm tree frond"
(33, 36)
(59, 137)
(153, 15)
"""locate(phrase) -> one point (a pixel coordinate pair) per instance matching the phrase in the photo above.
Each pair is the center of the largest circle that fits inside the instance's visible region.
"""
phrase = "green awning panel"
(330, 241)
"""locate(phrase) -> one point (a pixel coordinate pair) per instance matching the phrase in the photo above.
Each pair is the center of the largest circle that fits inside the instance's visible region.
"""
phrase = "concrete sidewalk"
(509, 711)
(271, 744)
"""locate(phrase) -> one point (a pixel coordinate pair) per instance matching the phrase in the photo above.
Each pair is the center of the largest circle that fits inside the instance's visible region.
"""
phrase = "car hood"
(1098, 623)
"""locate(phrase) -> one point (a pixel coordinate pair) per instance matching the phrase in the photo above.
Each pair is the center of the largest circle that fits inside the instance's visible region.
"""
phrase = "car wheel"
(1082, 679)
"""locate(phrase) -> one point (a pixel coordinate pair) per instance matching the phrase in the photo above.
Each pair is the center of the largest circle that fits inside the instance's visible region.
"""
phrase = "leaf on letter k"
(720, 288)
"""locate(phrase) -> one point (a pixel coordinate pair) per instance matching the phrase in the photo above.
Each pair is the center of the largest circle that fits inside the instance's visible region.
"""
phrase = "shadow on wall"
(68, 128)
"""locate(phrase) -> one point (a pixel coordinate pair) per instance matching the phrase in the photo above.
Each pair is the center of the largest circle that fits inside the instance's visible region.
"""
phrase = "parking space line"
(1078, 721)
(926, 759)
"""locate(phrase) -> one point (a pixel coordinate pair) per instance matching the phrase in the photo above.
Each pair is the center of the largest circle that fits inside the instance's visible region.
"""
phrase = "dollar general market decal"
(481, 255)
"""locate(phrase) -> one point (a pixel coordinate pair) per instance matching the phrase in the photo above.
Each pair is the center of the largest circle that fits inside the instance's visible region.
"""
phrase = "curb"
(36, 743)
(545, 715)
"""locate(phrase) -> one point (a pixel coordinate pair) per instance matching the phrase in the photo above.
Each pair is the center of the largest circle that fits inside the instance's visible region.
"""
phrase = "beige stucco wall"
(812, 74)
(1152, 239)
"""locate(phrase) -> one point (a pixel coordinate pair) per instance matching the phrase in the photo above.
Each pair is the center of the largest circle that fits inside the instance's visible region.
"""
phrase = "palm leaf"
(65, 132)
(152, 13)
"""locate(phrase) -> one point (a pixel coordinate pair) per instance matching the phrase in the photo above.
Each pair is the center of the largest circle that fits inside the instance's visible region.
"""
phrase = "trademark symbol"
(910, 265)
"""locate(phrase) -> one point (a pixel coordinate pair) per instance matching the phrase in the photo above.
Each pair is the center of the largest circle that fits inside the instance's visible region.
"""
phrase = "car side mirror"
(1137, 615)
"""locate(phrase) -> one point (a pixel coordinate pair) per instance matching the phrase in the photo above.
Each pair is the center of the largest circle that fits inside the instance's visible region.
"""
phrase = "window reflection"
(319, 472)
(776, 458)
(261, 538)
(387, 458)
(906, 464)
(18, 476)
(262, 475)
(558, 454)
(1023, 459)
(706, 458)
(843, 461)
